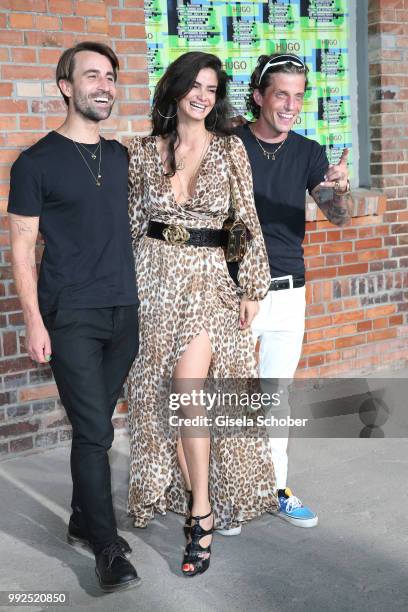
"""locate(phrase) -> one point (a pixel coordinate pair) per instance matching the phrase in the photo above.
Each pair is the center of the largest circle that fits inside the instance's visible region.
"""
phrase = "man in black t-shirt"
(82, 315)
(285, 165)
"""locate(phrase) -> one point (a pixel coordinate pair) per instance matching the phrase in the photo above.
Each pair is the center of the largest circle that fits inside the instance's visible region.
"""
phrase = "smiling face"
(92, 91)
(201, 98)
(281, 102)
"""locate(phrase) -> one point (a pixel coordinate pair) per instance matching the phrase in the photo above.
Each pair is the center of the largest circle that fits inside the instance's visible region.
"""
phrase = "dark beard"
(81, 106)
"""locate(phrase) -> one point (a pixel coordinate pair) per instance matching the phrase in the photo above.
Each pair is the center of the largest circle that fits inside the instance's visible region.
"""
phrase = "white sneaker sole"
(229, 532)
(312, 522)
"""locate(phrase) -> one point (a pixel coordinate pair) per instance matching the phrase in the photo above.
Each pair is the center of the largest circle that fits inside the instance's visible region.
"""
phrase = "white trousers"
(279, 326)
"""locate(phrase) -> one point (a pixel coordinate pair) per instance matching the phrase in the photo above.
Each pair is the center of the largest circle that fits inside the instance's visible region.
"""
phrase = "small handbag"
(237, 233)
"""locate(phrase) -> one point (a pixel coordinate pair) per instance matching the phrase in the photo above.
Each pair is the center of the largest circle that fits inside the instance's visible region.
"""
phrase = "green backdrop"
(238, 32)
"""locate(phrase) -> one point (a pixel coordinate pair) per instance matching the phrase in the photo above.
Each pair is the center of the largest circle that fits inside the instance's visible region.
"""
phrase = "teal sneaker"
(292, 510)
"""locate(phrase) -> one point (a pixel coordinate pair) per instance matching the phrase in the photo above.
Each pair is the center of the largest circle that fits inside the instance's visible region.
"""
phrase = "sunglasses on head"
(282, 59)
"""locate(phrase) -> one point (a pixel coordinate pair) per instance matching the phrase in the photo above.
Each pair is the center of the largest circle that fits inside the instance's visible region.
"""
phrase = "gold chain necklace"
(92, 154)
(194, 175)
(98, 177)
(268, 154)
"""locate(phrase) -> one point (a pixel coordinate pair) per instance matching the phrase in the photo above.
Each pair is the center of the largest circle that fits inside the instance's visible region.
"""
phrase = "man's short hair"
(66, 63)
(288, 63)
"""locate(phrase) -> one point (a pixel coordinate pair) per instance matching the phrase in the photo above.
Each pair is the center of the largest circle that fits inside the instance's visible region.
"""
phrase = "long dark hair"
(175, 83)
(287, 68)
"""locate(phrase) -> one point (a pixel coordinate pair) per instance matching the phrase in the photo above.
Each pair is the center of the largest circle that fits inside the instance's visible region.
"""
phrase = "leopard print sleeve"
(254, 274)
(137, 212)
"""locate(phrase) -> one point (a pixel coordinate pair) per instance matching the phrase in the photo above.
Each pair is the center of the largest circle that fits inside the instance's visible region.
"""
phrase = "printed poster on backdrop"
(238, 32)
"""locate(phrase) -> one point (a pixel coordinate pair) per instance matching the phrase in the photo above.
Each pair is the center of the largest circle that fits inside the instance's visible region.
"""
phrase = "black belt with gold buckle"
(178, 235)
(284, 283)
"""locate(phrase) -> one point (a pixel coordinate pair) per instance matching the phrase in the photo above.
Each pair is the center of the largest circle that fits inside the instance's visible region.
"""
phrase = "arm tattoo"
(22, 226)
(336, 207)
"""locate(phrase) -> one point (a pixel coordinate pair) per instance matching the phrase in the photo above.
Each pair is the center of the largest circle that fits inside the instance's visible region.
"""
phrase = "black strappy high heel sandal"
(187, 524)
(196, 555)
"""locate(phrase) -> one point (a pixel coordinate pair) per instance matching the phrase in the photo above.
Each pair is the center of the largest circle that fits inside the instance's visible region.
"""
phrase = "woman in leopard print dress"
(194, 321)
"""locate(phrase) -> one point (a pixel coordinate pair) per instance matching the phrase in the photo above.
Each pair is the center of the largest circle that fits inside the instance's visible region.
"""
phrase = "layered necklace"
(98, 176)
(180, 166)
(268, 154)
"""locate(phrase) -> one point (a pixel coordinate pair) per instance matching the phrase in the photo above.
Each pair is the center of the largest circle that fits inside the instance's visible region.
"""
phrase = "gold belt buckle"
(176, 234)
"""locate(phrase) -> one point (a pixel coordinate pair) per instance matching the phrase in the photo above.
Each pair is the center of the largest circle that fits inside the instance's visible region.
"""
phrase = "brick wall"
(357, 278)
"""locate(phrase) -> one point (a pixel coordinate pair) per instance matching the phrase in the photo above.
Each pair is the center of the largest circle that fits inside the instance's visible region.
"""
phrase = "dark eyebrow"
(110, 72)
(198, 83)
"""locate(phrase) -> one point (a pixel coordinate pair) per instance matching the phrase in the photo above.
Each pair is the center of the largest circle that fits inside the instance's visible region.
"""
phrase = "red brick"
(373, 243)
(63, 6)
(396, 320)
(6, 90)
(380, 311)
(138, 62)
(8, 123)
(49, 39)
(21, 139)
(49, 56)
(382, 334)
(315, 310)
(31, 123)
(129, 16)
(8, 156)
(53, 122)
(73, 24)
(33, 73)
(97, 25)
(38, 6)
(28, 394)
(350, 341)
(13, 106)
(131, 46)
(15, 365)
(315, 360)
(21, 21)
(318, 347)
(9, 343)
(372, 255)
(380, 323)
(349, 258)
(28, 56)
(349, 316)
(318, 322)
(349, 270)
(338, 332)
(337, 247)
(91, 9)
(47, 23)
(364, 326)
(321, 273)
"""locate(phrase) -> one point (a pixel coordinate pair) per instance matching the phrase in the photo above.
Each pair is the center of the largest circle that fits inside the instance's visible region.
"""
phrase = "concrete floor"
(356, 559)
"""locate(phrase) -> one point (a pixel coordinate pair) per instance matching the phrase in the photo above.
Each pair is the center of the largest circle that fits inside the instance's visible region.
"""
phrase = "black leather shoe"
(114, 571)
(76, 537)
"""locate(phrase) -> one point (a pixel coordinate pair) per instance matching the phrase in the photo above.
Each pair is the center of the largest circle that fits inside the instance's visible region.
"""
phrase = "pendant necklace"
(268, 154)
(97, 178)
(92, 154)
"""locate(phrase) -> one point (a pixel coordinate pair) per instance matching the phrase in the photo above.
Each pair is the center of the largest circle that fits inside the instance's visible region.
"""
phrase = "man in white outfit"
(285, 165)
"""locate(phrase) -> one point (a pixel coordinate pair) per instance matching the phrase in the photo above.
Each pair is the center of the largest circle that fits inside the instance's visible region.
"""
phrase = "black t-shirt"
(88, 259)
(280, 189)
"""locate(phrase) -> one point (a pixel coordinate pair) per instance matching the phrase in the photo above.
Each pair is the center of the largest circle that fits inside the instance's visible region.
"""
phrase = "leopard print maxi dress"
(184, 290)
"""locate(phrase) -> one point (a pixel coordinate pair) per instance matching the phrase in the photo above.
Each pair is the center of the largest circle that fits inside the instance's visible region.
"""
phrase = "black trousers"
(92, 351)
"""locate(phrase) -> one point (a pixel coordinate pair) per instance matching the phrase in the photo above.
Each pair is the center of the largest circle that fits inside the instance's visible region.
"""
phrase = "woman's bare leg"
(194, 364)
